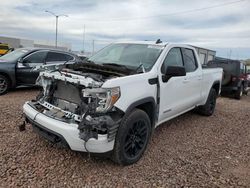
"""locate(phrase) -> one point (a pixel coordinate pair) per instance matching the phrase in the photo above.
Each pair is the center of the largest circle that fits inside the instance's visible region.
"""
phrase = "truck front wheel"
(208, 108)
(132, 138)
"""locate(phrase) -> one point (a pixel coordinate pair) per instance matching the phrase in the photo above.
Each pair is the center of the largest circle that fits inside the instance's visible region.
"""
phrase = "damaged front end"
(75, 95)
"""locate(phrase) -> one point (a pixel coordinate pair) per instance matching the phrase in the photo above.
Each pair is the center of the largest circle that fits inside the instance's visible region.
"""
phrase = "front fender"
(9, 70)
(133, 88)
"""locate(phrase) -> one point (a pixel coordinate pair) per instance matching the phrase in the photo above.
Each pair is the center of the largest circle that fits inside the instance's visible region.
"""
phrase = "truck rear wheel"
(4, 84)
(132, 138)
(208, 108)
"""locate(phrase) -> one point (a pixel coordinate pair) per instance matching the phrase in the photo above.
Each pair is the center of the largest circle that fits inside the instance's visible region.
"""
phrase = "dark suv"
(234, 79)
(15, 67)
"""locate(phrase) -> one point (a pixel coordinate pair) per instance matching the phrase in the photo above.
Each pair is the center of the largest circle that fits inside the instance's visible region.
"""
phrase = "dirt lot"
(189, 151)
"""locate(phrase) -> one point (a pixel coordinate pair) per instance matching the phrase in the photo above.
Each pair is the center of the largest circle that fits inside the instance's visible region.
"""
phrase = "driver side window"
(36, 58)
(174, 58)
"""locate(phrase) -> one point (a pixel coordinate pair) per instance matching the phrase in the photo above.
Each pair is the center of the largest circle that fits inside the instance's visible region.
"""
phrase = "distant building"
(22, 43)
(205, 54)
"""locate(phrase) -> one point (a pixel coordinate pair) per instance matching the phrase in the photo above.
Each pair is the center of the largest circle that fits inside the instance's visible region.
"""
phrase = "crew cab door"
(193, 80)
(24, 73)
(176, 94)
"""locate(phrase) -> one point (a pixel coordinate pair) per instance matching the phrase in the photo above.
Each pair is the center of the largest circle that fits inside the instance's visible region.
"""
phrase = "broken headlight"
(104, 98)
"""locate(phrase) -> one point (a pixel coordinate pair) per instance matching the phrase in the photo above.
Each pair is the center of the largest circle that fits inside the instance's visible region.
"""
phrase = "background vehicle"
(234, 77)
(4, 49)
(15, 67)
(113, 102)
(248, 73)
(248, 79)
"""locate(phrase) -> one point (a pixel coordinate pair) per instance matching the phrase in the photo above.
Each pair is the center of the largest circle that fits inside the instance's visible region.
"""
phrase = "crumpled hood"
(89, 75)
(105, 70)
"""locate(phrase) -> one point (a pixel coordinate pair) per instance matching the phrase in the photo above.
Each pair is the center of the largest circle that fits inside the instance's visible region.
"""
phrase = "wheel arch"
(148, 105)
(8, 77)
(216, 85)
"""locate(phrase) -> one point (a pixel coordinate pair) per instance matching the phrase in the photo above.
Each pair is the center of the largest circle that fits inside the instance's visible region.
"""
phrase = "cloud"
(221, 27)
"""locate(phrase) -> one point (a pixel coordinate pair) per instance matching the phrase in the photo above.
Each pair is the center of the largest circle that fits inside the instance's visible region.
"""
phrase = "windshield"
(129, 55)
(14, 55)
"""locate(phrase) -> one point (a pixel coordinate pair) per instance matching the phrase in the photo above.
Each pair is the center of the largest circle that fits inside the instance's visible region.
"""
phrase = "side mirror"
(20, 60)
(25, 62)
(173, 71)
(21, 63)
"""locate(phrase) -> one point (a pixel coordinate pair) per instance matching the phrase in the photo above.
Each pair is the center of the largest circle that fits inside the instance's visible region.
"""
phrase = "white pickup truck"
(112, 102)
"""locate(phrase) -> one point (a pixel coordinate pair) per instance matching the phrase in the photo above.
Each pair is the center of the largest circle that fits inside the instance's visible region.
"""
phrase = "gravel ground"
(189, 151)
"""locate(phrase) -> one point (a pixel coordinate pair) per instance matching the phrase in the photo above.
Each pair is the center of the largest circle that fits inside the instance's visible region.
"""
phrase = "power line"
(170, 14)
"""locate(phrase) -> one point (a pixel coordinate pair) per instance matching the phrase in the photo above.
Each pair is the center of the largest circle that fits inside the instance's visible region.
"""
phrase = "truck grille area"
(65, 105)
(67, 97)
(67, 92)
(65, 101)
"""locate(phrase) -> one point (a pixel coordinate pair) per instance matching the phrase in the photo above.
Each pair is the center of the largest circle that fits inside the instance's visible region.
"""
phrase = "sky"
(221, 25)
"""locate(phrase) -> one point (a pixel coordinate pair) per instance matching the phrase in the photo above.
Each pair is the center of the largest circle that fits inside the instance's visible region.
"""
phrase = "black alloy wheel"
(212, 103)
(132, 137)
(208, 108)
(136, 138)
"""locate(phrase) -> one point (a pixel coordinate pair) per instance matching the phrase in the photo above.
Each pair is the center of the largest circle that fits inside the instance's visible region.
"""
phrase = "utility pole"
(83, 41)
(57, 16)
(56, 29)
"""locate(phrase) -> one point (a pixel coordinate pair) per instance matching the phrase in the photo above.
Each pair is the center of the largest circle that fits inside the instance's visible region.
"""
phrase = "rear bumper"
(55, 130)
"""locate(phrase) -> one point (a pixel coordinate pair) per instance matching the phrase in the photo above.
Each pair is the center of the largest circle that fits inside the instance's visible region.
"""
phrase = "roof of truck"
(154, 43)
(162, 44)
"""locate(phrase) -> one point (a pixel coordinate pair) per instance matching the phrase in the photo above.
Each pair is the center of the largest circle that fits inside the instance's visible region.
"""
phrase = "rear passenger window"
(174, 58)
(54, 56)
(69, 57)
(189, 60)
(35, 58)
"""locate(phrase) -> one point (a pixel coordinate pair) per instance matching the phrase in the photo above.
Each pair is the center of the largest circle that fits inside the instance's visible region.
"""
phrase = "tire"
(239, 92)
(208, 108)
(246, 93)
(132, 138)
(4, 84)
